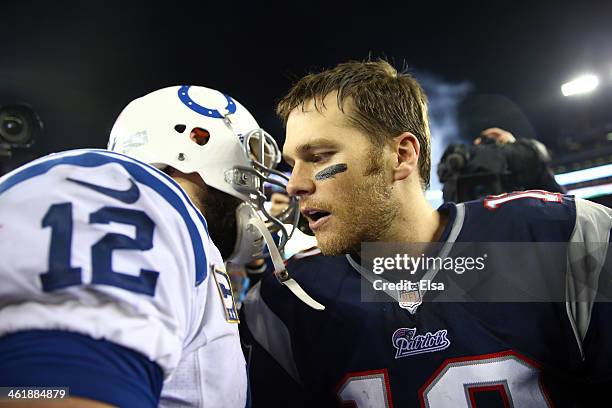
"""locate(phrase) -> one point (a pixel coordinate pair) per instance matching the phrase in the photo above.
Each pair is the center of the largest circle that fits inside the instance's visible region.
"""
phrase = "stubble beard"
(365, 215)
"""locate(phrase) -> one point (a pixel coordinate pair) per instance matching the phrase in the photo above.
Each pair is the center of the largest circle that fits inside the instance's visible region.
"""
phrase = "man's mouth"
(316, 217)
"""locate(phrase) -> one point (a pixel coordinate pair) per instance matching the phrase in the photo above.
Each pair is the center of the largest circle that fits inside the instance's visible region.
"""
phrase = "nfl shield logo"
(410, 300)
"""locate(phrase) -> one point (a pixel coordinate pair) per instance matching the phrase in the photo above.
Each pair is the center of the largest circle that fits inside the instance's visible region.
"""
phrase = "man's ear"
(407, 149)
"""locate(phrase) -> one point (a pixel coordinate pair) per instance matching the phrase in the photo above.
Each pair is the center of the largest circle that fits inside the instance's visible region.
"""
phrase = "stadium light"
(583, 84)
(592, 191)
(580, 176)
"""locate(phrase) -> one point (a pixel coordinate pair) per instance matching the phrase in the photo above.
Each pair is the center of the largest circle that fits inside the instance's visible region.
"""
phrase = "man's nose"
(301, 182)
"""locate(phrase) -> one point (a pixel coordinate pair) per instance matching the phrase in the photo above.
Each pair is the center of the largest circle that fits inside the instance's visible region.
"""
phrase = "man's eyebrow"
(311, 145)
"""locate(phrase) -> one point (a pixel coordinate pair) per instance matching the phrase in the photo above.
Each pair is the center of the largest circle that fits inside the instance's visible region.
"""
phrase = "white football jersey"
(97, 243)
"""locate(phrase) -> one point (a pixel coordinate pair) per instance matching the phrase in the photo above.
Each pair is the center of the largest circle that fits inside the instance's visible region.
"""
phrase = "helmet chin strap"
(279, 267)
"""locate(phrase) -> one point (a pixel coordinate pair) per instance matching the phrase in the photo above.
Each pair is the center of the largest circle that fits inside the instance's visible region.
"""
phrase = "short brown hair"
(386, 103)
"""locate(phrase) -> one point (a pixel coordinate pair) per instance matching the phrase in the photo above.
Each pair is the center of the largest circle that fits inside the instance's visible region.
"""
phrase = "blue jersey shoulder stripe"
(95, 158)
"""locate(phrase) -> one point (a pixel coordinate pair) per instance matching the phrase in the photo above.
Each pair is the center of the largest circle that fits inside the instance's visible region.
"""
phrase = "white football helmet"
(198, 129)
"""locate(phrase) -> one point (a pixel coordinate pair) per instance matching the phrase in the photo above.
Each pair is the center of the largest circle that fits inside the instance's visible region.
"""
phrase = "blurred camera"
(469, 172)
(20, 126)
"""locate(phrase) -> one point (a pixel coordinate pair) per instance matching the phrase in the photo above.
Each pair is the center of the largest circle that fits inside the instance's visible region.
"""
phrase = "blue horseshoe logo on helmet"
(183, 94)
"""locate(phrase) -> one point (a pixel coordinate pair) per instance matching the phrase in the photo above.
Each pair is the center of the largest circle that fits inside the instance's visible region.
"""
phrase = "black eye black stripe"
(330, 171)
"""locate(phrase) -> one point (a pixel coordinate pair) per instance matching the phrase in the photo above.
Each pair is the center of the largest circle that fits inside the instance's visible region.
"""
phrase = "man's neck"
(417, 221)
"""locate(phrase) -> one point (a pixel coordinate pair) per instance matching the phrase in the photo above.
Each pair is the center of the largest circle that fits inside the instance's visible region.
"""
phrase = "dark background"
(79, 63)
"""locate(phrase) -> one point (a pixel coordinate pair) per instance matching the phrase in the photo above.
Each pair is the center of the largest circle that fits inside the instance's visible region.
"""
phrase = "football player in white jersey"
(112, 283)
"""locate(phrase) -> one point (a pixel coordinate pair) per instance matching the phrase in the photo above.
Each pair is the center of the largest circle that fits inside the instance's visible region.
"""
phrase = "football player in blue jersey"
(111, 283)
(527, 325)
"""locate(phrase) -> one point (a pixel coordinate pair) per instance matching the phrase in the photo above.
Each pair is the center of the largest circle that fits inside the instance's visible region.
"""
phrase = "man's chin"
(332, 244)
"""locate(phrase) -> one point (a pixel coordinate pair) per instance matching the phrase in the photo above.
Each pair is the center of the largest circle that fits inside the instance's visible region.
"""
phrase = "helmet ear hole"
(200, 136)
(180, 128)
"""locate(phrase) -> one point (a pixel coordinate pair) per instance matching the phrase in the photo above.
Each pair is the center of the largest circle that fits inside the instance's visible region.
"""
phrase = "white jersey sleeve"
(96, 243)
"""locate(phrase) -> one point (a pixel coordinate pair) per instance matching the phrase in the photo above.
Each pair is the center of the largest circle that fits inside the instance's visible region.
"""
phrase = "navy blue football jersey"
(471, 352)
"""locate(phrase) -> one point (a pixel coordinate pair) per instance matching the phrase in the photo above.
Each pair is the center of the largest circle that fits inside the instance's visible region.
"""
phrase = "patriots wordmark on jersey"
(407, 351)
(112, 287)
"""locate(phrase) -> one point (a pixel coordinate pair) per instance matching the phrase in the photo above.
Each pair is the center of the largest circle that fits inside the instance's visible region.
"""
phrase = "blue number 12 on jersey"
(61, 274)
